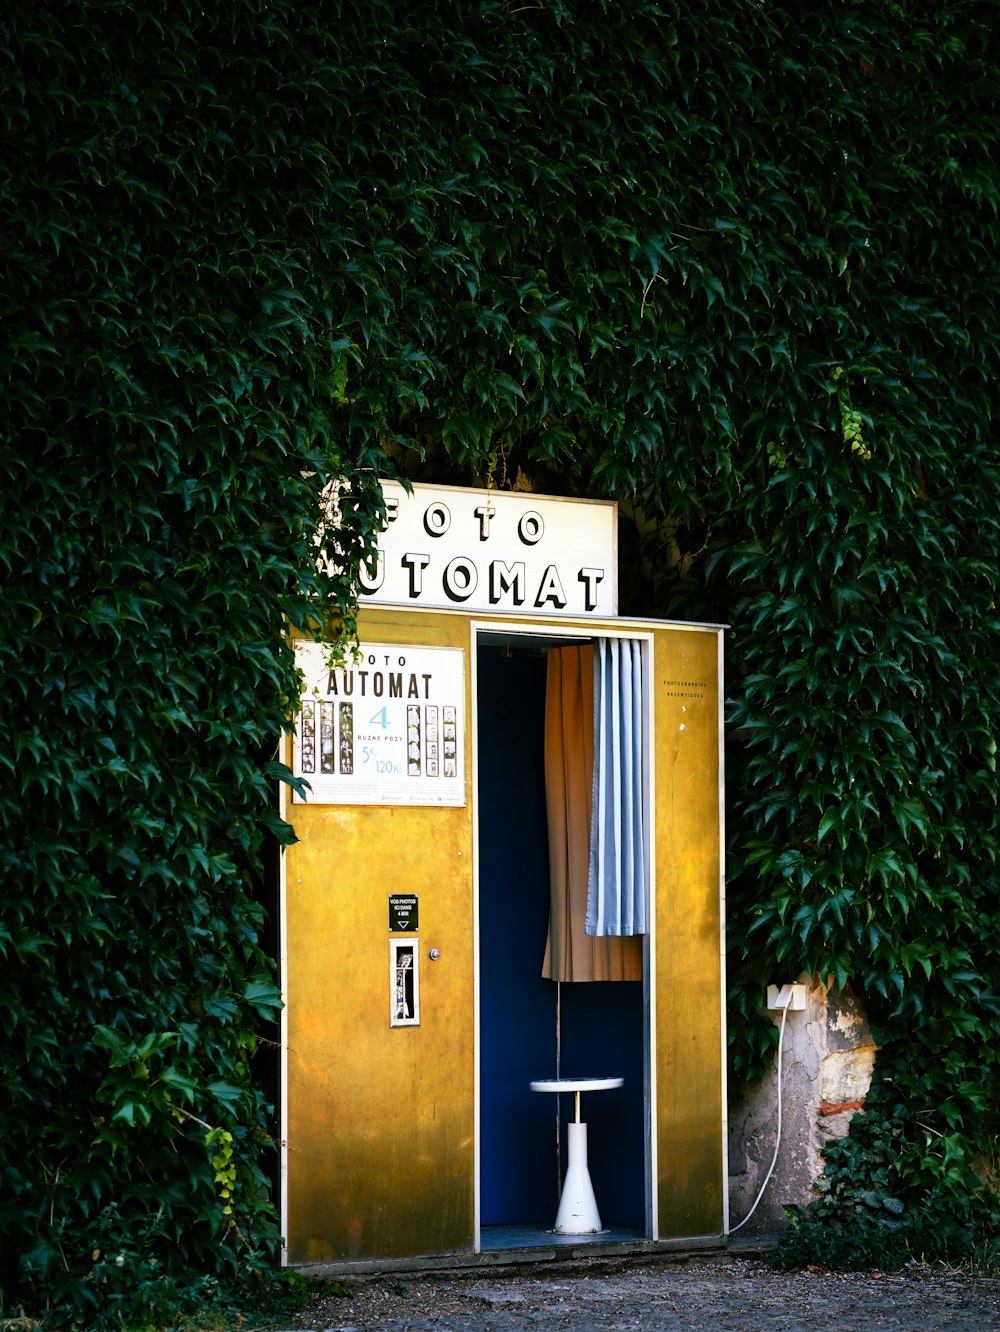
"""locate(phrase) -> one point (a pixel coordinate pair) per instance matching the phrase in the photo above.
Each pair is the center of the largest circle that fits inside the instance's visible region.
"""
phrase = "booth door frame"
(567, 632)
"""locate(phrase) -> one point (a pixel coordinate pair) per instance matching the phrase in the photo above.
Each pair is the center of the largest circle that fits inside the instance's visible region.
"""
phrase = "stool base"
(578, 1214)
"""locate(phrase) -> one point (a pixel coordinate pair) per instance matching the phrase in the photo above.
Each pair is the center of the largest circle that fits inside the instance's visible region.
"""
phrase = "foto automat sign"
(454, 548)
(386, 728)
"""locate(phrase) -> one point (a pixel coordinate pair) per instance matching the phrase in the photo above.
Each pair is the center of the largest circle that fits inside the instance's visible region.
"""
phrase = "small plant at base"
(880, 1205)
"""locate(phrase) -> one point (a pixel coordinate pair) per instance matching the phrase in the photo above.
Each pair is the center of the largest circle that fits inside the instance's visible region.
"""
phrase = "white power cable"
(777, 1140)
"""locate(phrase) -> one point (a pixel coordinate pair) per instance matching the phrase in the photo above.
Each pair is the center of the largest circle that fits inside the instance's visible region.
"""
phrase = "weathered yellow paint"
(380, 1124)
(380, 1120)
(688, 1040)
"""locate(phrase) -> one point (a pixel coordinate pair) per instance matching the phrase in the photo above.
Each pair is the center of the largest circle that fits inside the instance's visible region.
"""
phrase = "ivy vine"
(734, 265)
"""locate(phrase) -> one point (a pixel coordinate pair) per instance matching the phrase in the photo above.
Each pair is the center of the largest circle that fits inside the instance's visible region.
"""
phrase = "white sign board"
(387, 728)
(496, 550)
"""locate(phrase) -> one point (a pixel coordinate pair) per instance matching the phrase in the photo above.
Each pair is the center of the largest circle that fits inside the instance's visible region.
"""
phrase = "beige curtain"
(570, 953)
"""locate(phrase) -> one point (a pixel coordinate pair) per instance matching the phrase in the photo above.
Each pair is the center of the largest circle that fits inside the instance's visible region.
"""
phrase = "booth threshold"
(493, 1238)
(507, 1247)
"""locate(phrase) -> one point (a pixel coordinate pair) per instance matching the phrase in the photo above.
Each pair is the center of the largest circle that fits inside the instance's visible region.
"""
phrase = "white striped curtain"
(619, 833)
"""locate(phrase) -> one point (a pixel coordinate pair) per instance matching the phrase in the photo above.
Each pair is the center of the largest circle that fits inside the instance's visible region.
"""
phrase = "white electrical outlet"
(791, 997)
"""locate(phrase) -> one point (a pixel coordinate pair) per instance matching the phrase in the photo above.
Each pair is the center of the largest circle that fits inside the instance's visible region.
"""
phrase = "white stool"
(578, 1214)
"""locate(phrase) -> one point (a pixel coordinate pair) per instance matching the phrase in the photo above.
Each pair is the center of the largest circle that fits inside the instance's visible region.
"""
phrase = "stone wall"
(828, 1056)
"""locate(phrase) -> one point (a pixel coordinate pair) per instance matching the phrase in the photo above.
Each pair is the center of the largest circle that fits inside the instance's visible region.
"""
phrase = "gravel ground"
(722, 1294)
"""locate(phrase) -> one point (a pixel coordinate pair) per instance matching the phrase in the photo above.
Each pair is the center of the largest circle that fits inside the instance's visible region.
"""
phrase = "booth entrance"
(533, 1027)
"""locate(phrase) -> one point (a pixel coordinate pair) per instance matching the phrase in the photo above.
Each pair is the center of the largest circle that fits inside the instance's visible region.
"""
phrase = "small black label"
(402, 912)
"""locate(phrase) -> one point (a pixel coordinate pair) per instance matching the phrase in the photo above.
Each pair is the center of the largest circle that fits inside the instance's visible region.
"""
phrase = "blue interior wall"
(602, 1023)
(602, 1036)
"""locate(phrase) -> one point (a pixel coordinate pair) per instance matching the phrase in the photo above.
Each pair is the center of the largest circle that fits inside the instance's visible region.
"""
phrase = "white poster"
(386, 728)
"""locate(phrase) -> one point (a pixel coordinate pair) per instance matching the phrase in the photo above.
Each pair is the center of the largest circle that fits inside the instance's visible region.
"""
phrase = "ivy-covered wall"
(734, 265)
(168, 367)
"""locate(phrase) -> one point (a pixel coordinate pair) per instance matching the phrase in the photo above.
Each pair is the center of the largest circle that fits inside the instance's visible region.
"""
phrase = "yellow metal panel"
(688, 1042)
(380, 1120)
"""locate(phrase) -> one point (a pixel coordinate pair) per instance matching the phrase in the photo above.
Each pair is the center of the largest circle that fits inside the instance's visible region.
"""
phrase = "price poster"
(387, 727)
